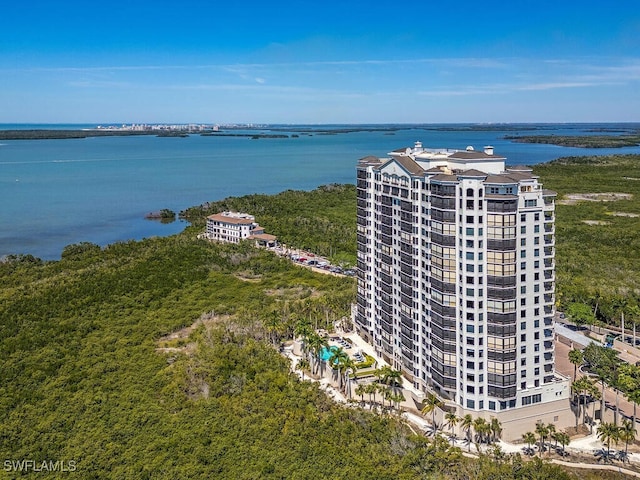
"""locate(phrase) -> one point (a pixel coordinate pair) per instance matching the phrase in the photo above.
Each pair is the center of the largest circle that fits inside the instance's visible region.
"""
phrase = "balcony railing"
(501, 392)
(501, 245)
(501, 293)
(502, 205)
(446, 240)
(501, 355)
(500, 281)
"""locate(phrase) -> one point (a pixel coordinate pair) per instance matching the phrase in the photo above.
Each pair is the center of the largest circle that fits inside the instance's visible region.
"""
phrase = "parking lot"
(319, 264)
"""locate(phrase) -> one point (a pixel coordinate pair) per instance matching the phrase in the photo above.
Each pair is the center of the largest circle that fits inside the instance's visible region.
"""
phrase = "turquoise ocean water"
(58, 192)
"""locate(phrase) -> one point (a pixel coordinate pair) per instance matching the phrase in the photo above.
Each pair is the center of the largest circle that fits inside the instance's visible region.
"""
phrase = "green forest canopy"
(89, 375)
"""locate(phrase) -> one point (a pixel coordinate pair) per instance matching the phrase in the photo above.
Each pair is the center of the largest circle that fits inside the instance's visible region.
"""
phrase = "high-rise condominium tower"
(456, 280)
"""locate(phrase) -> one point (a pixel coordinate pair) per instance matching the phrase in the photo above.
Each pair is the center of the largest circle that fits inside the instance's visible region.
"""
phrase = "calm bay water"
(58, 192)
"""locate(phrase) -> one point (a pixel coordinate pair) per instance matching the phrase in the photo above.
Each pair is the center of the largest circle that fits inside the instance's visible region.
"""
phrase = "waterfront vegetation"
(580, 141)
(90, 371)
(322, 221)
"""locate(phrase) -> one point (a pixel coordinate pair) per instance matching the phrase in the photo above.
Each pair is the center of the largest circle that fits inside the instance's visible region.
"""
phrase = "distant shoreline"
(87, 133)
(67, 134)
(580, 141)
(628, 135)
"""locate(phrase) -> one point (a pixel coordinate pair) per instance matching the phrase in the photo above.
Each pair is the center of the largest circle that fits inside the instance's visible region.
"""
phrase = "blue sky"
(319, 62)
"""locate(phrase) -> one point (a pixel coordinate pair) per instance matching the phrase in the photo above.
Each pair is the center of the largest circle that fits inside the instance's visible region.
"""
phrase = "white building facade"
(233, 227)
(456, 281)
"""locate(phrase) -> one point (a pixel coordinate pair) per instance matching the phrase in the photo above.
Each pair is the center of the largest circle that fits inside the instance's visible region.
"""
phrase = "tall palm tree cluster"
(285, 318)
(609, 370)
(344, 367)
(386, 394)
(484, 432)
(608, 432)
(543, 432)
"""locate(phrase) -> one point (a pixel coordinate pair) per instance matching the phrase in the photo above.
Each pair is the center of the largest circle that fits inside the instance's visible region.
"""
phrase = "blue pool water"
(325, 353)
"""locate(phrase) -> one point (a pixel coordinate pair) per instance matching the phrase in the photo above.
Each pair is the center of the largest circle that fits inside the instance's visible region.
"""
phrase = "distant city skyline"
(334, 62)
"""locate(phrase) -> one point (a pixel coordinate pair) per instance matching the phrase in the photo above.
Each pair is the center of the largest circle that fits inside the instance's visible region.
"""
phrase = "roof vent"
(488, 150)
(469, 148)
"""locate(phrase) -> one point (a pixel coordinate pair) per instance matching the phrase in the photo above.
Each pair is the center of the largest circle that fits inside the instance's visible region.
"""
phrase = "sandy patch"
(177, 342)
(624, 214)
(595, 222)
(293, 293)
(573, 198)
(248, 277)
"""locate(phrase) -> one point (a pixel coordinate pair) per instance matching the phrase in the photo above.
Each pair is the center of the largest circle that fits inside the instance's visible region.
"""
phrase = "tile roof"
(443, 177)
(263, 236)
(499, 179)
(473, 155)
(410, 165)
(231, 220)
(471, 173)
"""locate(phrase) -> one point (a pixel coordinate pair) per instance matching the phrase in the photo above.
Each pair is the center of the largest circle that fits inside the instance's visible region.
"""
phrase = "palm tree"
(336, 360)
(496, 429)
(630, 383)
(595, 393)
(371, 389)
(482, 428)
(389, 395)
(562, 438)
(431, 403)
(302, 365)
(315, 345)
(606, 433)
(634, 397)
(361, 389)
(576, 357)
(273, 324)
(581, 388)
(383, 390)
(398, 398)
(627, 433)
(529, 438)
(347, 368)
(551, 428)
(542, 431)
(389, 376)
(466, 424)
(302, 329)
(451, 420)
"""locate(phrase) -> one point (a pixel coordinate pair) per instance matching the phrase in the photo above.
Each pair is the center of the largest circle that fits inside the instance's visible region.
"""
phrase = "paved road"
(564, 366)
(568, 331)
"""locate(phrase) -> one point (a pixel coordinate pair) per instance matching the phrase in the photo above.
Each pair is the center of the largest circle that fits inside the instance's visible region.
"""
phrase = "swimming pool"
(325, 353)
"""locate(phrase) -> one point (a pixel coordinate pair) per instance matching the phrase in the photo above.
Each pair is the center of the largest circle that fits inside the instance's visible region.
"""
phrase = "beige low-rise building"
(233, 227)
